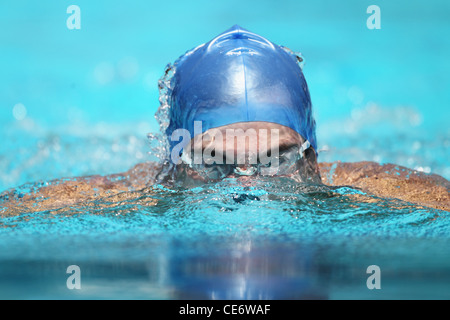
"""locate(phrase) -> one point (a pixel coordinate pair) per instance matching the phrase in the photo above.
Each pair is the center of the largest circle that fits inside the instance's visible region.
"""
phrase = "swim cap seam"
(247, 118)
(245, 89)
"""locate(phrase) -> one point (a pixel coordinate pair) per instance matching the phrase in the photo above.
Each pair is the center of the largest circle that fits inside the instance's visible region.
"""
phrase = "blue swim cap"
(239, 76)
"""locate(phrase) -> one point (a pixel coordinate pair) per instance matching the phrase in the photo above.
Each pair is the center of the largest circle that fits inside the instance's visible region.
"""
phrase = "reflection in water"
(228, 269)
(244, 272)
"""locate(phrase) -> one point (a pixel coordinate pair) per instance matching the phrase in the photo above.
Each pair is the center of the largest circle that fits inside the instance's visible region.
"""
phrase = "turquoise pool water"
(81, 102)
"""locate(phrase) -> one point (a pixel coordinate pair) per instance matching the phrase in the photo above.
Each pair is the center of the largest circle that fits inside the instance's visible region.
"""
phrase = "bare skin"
(247, 143)
(286, 137)
(390, 181)
(386, 181)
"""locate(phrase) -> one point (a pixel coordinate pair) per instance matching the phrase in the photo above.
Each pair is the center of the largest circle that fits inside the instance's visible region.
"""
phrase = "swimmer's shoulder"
(67, 192)
(389, 181)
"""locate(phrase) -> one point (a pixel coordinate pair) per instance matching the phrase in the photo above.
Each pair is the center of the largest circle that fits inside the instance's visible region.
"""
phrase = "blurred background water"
(81, 102)
(78, 102)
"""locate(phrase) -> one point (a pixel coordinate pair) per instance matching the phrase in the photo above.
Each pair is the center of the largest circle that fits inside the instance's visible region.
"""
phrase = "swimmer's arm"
(74, 191)
(389, 181)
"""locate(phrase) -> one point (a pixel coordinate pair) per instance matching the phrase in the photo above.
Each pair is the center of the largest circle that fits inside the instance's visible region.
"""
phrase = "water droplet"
(128, 68)
(104, 73)
(19, 111)
(355, 95)
(416, 145)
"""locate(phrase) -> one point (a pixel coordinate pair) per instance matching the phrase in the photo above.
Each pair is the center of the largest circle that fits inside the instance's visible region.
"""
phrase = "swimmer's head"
(239, 77)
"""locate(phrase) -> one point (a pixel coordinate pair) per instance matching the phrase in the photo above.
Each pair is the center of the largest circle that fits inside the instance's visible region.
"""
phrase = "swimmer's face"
(248, 149)
(244, 140)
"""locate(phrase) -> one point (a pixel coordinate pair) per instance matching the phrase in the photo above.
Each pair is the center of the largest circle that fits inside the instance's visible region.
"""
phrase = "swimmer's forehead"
(276, 135)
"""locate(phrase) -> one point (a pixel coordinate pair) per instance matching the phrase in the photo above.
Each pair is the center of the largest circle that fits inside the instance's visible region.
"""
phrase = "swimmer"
(237, 107)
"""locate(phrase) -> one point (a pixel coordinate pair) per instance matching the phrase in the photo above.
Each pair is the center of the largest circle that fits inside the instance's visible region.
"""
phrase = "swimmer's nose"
(237, 32)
